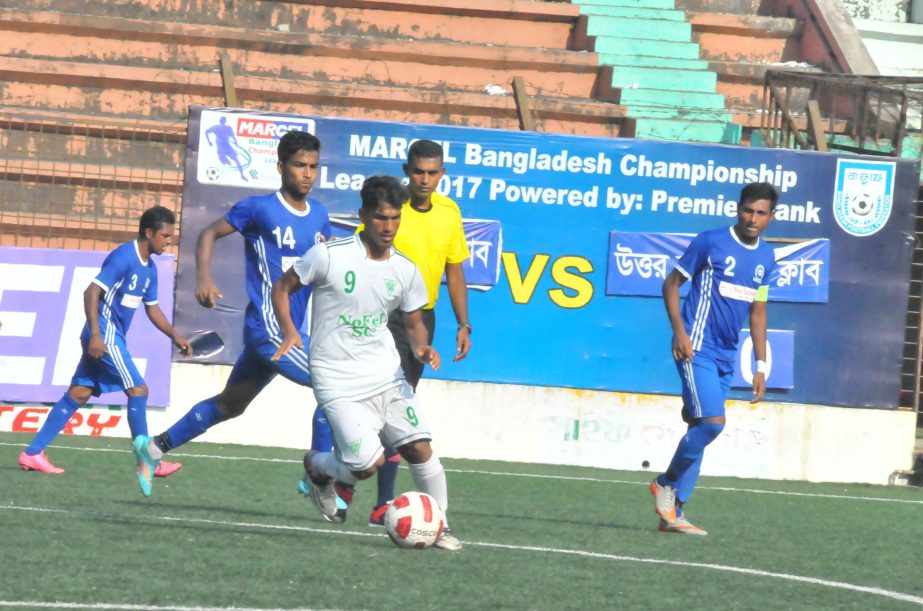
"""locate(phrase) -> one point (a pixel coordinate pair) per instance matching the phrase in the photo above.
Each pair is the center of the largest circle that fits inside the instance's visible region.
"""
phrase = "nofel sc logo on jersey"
(271, 128)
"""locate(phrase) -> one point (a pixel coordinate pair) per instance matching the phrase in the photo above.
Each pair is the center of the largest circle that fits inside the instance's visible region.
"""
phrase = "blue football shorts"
(705, 386)
(114, 371)
(255, 363)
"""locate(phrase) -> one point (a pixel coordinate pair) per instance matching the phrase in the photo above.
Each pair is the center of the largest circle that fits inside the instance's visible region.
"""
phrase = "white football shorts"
(362, 427)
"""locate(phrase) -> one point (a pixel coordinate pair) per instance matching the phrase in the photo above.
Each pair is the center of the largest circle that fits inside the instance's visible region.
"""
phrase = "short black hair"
(294, 141)
(759, 190)
(424, 149)
(155, 218)
(377, 190)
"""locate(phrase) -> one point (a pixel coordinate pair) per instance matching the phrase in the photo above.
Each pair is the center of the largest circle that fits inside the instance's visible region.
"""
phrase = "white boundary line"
(819, 495)
(520, 548)
(62, 605)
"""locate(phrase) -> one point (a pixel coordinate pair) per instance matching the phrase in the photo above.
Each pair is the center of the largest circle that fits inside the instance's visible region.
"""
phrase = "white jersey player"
(358, 381)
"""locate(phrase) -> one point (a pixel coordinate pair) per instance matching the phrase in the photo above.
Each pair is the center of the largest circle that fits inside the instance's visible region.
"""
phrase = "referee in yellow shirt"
(432, 236)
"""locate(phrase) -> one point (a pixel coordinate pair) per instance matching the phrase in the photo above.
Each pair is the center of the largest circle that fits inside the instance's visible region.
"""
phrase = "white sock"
(430, 478)
(154, 450)
(326, 463)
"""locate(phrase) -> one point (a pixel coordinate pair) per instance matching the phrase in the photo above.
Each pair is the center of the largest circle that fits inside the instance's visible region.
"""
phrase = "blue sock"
(687, 481)
(203, 415)
(387, 477)
(57, 419)
(137, 416)
(321, 434)
(689, 452)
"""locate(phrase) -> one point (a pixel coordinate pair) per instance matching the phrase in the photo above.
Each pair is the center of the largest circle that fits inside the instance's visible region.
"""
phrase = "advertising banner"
(41, 309)
(640, 262)
(551, 318)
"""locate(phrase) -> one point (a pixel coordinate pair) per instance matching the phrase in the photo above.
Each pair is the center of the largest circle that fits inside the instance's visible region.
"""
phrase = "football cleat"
(319, 488)
(304, 487)
(146, 464)
(681, 525)
(664, 501)
(377, 517)
(448, 541)
(37, 462)
(165, 468)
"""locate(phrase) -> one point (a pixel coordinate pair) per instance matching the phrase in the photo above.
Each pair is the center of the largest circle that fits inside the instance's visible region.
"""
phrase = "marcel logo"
(262, 128)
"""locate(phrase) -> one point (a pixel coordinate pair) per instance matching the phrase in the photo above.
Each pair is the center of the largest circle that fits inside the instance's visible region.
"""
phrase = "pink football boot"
(39, 462)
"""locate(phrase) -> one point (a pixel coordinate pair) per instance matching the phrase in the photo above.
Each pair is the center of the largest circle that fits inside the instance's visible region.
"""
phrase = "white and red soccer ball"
(414, 520)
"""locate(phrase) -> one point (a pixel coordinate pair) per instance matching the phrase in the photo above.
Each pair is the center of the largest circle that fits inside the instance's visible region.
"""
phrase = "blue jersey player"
(127, 279)
(278, 228)
(729, 269)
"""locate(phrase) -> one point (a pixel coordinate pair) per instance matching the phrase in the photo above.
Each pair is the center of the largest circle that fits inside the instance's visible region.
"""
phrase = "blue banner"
(780, 360)
(41, 307)
(548, 320)
(640, 262)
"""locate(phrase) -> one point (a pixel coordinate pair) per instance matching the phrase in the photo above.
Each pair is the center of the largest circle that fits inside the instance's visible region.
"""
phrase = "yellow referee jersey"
(432, 239)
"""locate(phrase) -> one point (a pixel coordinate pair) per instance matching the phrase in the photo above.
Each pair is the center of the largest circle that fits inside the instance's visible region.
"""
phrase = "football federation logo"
(390, 285)
(862, 195)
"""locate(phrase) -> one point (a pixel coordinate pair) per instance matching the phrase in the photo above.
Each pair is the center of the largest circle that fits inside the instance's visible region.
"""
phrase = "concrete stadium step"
(75, 138)
(672, 99)
(69, 180)
(473, 21)
(664, 78)
(165, 93)
(687, 130)
(92, 175)
(734, 7)
(633, 12)
(747, 38)
(651, 61)
(258, 53)
(653, 29)
(653, 4)
(742, 82)
(640, 111)
(65, 231)
(757, 26)
(624, 45)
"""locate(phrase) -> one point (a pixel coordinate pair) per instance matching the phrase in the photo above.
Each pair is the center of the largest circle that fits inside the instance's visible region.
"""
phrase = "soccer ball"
(414, 520)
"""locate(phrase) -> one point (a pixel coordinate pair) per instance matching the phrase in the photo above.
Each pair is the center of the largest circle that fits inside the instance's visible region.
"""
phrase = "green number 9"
(412, 416)
(350, 281)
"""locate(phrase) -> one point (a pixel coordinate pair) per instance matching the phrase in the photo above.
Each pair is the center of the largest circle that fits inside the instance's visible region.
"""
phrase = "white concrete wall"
(896, 48)
(895, 11)
(574, 427)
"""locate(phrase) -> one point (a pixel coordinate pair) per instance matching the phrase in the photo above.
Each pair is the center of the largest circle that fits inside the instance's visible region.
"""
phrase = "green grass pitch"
(231, 531)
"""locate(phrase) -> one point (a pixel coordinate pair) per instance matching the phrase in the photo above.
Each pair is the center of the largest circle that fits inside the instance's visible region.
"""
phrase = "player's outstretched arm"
(96, 348)
(163, 325)
(287, 284)
(682, 345)
(458, 295)
(419, 340)
(758, 336)
(207, 294)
